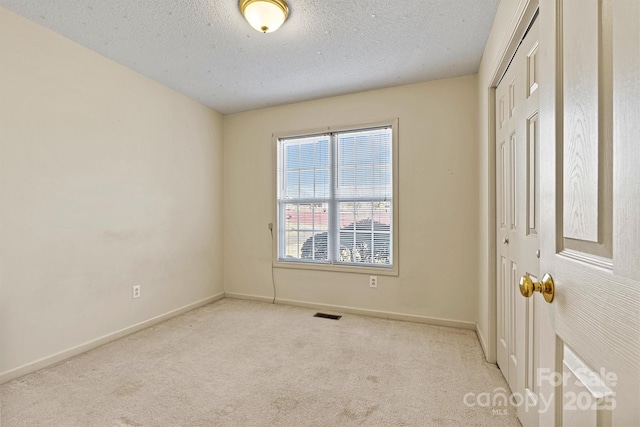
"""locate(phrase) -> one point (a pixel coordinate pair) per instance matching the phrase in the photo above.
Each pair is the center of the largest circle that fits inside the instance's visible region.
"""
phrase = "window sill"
(393, 271)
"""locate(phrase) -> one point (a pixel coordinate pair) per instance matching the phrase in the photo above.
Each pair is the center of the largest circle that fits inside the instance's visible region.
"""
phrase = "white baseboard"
(483, 343)
(65, 354)
(489, 355)
(248, 297)
(361, 311)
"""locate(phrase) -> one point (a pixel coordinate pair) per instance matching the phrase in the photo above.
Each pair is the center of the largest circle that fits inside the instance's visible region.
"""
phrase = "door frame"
(525, 13)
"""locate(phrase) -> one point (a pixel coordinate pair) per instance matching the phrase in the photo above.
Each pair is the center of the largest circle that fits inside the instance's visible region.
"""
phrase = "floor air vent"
(327, 316)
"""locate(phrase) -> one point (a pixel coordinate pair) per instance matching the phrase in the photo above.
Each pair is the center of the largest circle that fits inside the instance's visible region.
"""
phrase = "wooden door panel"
(586, 81)
(533, 174)
(531, 345)
(626, 131)
(592, 250)
(587, 400)
(526, 182)
(513, 185)
(504, 187)
(580, 20)
(517, 218)
(503, 316)
(516, 315)
(504, 209)
(533, 81)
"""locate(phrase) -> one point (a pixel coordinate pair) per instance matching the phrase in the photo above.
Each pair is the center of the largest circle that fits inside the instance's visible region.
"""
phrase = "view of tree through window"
(335, 198)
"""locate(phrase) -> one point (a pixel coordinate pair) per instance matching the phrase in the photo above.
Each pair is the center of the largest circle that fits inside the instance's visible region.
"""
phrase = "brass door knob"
(546, 287)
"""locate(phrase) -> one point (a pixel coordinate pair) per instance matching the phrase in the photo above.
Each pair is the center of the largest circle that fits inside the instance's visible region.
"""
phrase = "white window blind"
(335, 198)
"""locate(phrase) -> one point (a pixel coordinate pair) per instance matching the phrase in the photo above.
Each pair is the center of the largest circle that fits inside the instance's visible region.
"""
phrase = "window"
(335, 198)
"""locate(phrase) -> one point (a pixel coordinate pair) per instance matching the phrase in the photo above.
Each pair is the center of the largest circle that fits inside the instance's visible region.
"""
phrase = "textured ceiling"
(207, 51)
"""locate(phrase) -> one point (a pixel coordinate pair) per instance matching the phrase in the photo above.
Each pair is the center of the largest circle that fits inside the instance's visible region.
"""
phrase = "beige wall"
(503, 27)
(107, 179)
(438, 201)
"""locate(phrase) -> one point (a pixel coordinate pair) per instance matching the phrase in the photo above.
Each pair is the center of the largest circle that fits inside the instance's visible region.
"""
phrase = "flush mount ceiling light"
(265, 15)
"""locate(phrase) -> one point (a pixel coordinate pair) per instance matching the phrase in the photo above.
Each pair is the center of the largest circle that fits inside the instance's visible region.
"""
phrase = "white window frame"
(392, 270)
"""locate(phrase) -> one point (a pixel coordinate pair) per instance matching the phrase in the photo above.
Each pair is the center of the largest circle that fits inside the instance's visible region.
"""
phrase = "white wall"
(504, 25)
(438, 201)
(107, 179)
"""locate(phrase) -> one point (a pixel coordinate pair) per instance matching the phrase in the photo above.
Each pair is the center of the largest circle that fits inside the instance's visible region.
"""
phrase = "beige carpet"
(240, 363)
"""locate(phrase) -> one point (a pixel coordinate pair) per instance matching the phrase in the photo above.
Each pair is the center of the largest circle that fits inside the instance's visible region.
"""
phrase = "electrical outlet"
(136, 291)
(373, 281)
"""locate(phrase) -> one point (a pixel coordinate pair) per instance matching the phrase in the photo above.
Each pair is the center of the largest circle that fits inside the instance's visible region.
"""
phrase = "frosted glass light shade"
(265, 16)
